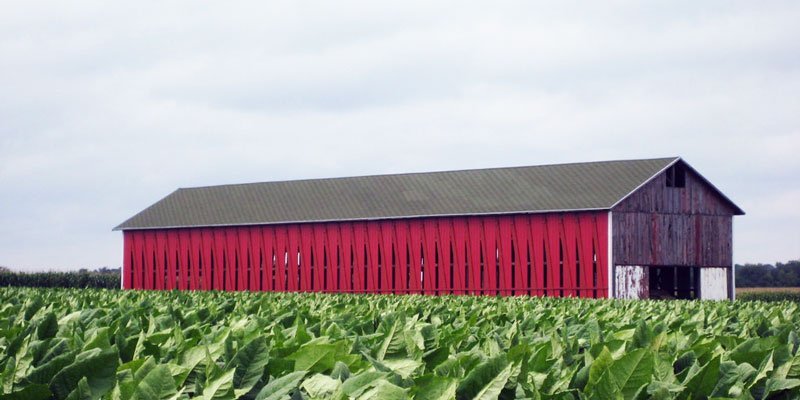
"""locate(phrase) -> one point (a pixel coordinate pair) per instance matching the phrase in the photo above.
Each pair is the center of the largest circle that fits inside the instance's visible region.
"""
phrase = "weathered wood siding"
(670, 226)
(631, 282)
(714, 283)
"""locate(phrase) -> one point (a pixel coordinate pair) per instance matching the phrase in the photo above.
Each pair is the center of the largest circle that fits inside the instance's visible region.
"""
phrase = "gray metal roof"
(535, 189)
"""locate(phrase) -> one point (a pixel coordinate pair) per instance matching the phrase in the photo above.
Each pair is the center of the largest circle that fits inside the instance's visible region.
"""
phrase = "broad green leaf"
(486, 380)
(319, 386)
(702, 382)
(98, 366)
(281, 387)
(432, 387)
(156, 384)
(82, 391)
(624, 377)
(383, 390)
(220, 387)
(30, 392)
(249, 364)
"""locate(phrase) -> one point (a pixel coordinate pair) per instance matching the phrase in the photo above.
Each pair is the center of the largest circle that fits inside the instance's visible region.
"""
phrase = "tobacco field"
(98, 344)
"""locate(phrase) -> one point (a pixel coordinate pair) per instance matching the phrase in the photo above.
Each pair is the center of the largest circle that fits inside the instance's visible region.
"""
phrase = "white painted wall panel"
(631, 282)
(713, 283)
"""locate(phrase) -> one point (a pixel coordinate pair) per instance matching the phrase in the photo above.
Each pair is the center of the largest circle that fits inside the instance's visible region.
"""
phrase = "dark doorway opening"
(674, 282)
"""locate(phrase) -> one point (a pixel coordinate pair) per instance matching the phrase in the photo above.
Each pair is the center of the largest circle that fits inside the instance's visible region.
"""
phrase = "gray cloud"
(107, 108)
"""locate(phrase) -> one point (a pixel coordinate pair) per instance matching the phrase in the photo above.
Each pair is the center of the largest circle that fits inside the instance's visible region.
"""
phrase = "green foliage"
(83, 279)
(130, 345)
(769, 295)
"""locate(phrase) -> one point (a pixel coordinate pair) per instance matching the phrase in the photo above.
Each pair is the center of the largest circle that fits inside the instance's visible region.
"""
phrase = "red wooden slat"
(268, 270)
(387, 257)
(401, 257)
(138, 262)
(585, 254)
(306, 244)
(186, 258)
(429, 267)
(537, 240)
(161, 250)
(601, 248)
(242, 263)
(346, 274)
(150, 259)
(360, 259)
(202, 248)
(255, 256)
(231, 246)
(460, 255)
(127, 260)
(522, 247)
(505, 277)
(415, 244)
(490, 248)
(332, 254)
(475, 230)
(281, 259)
(570, 240)
(171, 251)
(320, 270)
(373, 245)
(445, 256)
(218, 259)
(293, 255)
(553, 251)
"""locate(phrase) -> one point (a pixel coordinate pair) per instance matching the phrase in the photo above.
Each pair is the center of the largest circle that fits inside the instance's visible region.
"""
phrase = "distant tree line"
(768, 275)
(103, 278)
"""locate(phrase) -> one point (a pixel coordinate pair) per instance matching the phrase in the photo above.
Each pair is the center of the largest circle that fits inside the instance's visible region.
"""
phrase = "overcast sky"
(106, 107)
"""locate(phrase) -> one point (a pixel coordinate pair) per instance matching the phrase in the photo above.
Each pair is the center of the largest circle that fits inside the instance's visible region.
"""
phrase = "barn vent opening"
(674, 283)
(676, 176)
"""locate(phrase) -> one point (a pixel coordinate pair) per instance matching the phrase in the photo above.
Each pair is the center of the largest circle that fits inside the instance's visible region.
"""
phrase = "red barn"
(627, 229)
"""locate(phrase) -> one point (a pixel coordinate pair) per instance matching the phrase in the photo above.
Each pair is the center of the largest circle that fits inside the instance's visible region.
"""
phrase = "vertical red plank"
(537, 240)
(138, 259)
(333, 257)
(293, 255)
(281, 259)
(475, 262)
(268, 269)
(218, 260)
(161, 252)
(243, 264)
(522, 249)
(360, 259)
(374, 246)
(346, 272)
(505, 279)
(255, 254)
(429, 261)
(585, 255)
(171, 253)
(459, 256)
(185, 259)
(198, 274)
(401, 257)
(490, 250)
(570, 240)
(203, 246)
(306, 242)
(148, 259)
(601, 249)
(231, 247)
(127, 260)
(320, 263)
(387, 257)
(445, 256)
(554, 254)
(415, 237)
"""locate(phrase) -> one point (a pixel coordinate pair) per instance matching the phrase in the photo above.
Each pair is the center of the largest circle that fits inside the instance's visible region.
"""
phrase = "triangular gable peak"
(678, 188)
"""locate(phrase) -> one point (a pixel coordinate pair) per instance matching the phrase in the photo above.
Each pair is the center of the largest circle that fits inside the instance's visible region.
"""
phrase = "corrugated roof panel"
(580, 186)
